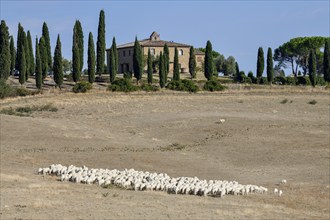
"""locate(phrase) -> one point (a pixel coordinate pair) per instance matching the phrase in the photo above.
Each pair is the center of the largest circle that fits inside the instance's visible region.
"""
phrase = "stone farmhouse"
(156, 45)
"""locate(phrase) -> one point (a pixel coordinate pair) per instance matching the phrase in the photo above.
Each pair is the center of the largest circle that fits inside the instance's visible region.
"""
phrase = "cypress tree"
(80, 42)
(167, 61)
(12, 55)
(27, 55)
(112, 65)
(4, 51)
(43, 57)
(58, 65)
(176, 71)
(31, 56)
(270, 68)
(312, 67)
(326, 61)
(45, 35)
(137, 61)
(161, 70)
(237, 75)
(260, 63)
(192, 63)
(38, 67)
(19, 31)
(100, 47)
(91, 58)
(115, 52)
(22, 66)
(149, 67)
(76, 63)
(208, 61)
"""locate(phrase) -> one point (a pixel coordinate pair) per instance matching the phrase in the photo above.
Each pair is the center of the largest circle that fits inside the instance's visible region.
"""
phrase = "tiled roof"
(199, 52)
(150, 43)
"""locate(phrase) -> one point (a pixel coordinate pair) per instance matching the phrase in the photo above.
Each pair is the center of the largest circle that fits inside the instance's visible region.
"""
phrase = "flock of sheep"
(140, 180)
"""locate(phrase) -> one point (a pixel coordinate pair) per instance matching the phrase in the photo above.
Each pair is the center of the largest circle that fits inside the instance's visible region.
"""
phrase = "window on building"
(152, 51)
(129, 53)
(124, 53)
(180, 52)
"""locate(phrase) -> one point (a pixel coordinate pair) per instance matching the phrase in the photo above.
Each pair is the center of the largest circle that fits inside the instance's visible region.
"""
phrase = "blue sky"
(235, 28)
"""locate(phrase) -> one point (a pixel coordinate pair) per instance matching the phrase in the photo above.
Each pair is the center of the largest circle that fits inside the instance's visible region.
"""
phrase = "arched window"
(180, 52)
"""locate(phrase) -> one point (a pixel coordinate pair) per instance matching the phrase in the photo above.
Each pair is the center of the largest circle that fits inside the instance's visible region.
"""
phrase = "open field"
(263, 140)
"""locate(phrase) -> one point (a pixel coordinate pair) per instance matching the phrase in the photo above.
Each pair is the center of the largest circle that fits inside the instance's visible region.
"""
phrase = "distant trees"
(312, 67)
(91, 58)
(12, 55)
(45, 35)
(270, 68)
(149, 69)
(38, 67)
(4, 51)
(176, 70)
(208, 61)
(161, 70)
(326, 61)
(20, 55)
(295, 53)
(113, 68)
(192, 63)
(100, 45)
(230, 66)
(58, 66)
(260, 63)
(137, 61)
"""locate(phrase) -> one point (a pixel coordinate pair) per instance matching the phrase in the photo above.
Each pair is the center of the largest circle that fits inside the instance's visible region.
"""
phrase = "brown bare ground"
(261, 142)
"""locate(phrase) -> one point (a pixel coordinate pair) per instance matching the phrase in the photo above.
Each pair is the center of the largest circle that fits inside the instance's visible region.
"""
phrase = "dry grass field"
(264, 139)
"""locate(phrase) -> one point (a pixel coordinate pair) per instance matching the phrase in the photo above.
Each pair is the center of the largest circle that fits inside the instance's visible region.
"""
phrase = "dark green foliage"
(291, 81)
(237, 75)
(91, 58)
(215, 54)
(182, 85)
(312, 67)
(192, 63)
(208, 62)
(12, 55)
(176, 70)
(251, 76)
(80, 42)
(128, 75)
(4, 51)
(149, 70)
(149, 88)
(162, 81)
(75, 63)
(43, 56)
(58, 65)
(19, 31)
(263, 81)
(230, 66)
(313, 102)
(326, 61)
(303, 80)
(45, 35)
(137, 61)
(270, 68)
(112, 69)
(240, 76)
(82, 87)
(115, 53)
(38, 67)
(27, 56)
(280, 80)
(100, 45)
(260, 63)
(122, 85)
(213, 85)
(31, 56)
(5, 89)
(22, 65)
(167, 61)
(320, 81)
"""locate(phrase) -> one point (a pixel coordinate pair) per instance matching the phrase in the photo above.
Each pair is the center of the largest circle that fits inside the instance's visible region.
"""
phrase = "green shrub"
(280, 80)
(313, 102)
(303, 80)
(5, 90)
(28, 110)
(246, 79)
(122, 85)
(149, 88)
(213, 85)
(291, 80)
(284, 101)
(20, 91)
(82, 87)
(263, 81)
(128, 75)
(183, 85)
(320, 81)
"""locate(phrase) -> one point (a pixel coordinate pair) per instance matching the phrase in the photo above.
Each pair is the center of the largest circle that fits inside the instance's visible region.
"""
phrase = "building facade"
(156, 45)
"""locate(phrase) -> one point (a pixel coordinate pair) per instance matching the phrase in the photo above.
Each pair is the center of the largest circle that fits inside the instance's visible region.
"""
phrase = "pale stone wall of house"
(125, 57)
(199, 60)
